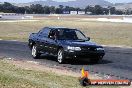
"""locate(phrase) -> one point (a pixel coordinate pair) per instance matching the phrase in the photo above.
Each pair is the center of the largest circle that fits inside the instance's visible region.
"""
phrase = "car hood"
(79, 43)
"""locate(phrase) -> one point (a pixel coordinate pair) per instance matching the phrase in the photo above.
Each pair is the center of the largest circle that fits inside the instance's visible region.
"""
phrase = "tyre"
(60, 56)
(35, 52)
(30, 44)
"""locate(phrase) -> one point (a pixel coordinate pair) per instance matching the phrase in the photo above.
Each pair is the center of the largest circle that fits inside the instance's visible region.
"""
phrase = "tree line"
(39, 9)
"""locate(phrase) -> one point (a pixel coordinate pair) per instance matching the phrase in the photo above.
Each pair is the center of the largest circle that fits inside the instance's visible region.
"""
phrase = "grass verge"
(14, 77)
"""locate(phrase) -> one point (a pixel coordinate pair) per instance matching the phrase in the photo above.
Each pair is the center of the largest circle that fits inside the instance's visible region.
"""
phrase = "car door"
(43, 40)
(53, 45)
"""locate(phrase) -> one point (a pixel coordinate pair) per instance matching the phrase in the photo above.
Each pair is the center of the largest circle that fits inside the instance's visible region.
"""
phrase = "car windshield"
(70, 34)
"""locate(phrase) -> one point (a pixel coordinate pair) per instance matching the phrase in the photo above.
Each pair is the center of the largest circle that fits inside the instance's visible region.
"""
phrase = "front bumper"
(84, 55)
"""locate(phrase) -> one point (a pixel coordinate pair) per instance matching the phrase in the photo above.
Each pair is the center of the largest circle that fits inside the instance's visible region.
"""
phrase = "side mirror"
(88, 38)
(34, 33)
(52, 37)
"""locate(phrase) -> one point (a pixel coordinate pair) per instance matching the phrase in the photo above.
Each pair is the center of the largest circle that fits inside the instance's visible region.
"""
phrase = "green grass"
(101, 32)
(14, 77)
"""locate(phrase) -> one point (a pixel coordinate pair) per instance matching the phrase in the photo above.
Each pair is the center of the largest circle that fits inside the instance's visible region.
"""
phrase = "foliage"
(39, 9)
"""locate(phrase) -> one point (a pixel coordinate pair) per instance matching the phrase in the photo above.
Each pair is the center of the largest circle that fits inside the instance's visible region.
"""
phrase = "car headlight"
(99, 49)
(74, 48)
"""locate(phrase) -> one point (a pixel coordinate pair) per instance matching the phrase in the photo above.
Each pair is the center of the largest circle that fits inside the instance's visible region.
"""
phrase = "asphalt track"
(117, 62)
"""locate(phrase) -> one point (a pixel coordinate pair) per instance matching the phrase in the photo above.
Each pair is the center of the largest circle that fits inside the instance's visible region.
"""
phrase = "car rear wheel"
(60, 56)
(35, 52)
(30, 44)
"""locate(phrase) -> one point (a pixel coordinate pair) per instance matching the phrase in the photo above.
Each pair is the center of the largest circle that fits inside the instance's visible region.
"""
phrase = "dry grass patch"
(100, 32)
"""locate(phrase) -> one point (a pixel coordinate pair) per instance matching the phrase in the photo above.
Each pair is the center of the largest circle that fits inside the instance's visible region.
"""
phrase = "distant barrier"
(15, 16)
(10, 14)
(124, 19)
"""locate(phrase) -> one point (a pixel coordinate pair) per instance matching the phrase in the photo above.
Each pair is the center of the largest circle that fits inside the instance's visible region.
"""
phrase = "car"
(64, 43)
(0, 16)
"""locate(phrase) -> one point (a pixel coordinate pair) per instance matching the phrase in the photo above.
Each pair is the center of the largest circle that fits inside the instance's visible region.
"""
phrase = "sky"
(24, 1)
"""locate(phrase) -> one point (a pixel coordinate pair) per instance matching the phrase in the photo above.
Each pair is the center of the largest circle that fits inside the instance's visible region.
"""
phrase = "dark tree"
(89, 9)
(98, 10)
(46, 9)
(58, 11)
(20, 10)
(52, 9)
(27, 10)
(39, 9)
(112, 10)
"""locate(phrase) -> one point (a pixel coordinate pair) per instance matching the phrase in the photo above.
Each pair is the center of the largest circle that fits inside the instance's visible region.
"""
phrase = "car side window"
(51, 33)
(40, 32)
(44, 32)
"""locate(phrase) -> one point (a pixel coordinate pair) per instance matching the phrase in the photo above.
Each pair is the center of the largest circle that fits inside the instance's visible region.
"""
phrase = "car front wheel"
(35, 52)
(60, 56)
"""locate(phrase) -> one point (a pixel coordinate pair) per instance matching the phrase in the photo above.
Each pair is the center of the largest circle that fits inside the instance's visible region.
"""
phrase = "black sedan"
(64, 43)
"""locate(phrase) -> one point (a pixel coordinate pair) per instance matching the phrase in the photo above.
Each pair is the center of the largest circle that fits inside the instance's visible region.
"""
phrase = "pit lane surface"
(117, 62)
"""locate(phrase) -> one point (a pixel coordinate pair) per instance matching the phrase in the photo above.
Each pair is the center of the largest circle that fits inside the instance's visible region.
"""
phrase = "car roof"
(54, 28)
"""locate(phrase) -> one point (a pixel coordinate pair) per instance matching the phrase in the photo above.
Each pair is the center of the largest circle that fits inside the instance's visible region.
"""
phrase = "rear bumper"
(84, 55)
